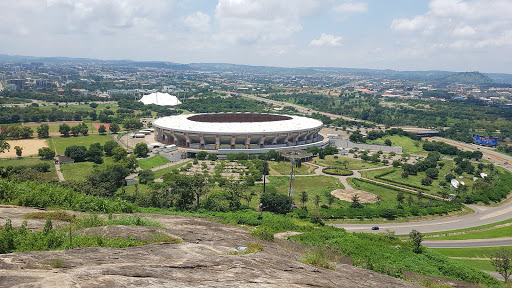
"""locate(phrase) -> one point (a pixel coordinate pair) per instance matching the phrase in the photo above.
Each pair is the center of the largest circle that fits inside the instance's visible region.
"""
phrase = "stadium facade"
(239, 132)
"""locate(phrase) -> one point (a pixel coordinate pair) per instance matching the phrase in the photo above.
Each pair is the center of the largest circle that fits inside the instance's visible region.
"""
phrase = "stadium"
(225, 133)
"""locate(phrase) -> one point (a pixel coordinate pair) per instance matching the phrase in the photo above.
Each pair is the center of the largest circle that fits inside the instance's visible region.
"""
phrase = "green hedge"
(341, 172)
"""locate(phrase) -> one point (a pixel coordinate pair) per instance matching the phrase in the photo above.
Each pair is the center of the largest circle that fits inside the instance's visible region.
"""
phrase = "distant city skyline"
(453, 35)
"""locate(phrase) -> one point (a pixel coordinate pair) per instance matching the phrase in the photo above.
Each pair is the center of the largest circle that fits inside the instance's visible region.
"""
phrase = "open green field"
(152, 162)
(55, 128)
(484, 265)
(80, 170)
(352, 163)
(313, 185)
(487, 234)
(29, 161)
(467, 229)
(408, 145)
(82, 107)
(477, 252)
(60, 143)
(415, 180)
(284, 168)
(162, 172)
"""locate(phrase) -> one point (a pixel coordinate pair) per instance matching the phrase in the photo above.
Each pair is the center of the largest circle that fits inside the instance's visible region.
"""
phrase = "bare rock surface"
(200, 261)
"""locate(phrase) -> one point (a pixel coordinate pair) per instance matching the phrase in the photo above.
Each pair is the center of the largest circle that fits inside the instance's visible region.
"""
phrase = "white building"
(162, 99)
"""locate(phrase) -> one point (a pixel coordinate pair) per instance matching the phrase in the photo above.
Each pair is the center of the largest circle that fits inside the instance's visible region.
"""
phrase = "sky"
(453, 35)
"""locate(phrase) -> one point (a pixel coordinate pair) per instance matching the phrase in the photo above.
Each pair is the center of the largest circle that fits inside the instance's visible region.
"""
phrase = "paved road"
(482, 216)
(495, 242)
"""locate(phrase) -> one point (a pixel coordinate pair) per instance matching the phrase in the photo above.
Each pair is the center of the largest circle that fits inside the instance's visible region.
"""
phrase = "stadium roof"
(183, 123)
(162, 99)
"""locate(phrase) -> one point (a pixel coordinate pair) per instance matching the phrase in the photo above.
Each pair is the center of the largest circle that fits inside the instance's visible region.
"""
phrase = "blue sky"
(456, 35)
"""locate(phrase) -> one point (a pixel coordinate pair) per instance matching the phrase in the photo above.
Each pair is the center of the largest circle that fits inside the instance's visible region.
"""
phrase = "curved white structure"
(237, 131)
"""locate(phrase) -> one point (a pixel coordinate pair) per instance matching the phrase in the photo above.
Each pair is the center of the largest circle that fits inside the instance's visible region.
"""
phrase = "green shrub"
(263, 233)
(337, 171)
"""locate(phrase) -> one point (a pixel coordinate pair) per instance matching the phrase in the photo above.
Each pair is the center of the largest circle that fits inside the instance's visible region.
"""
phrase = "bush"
(277, 203)
(337, 171)
(263, 233)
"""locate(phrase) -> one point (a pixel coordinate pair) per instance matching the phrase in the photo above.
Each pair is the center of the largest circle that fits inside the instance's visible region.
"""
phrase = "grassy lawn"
(55, 128)
(415, 180)
(484, 265)
(313, 185)
(80, 170)
(28, 161)
(62, 142)
(162, 172)
(152, 162)
(283, 168)
(353, 163)
(408, 145)
(487, 234)
(82, 107)
(477, 252)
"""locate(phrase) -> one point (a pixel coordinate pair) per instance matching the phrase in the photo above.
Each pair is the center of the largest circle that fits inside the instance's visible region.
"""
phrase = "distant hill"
(476, 78)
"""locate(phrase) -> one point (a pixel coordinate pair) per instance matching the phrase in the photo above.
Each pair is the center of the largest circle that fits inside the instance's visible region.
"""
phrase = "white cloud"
(351, 8)
(326, 40)
(460, 24)
(198, 21)
(249, 22)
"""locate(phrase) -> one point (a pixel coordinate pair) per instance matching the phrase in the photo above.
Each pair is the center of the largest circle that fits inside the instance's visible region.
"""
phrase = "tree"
(355, 202)
(146, 176)
(46, 153)
(502, 262)
(212, 157)
(201, 155)
(4, 146)
(317, 200)
(64, 129)
(102, 129)
(43, 131)
(199, 186)
(75, 130)
(427, 181)
(303, 198)
(400, 197)
(19, 150)
(94, 153)
(141, 150)
(109, 146)
(273, 202)
(76, 152)
(416, 238)
(93, 105)
(84, 129)
(114, 128)
(119, 153)
(132, 123)
(26, 132)
(387, 142)
(432, 173)
(235, 190)
(448, 177)
(330, 199)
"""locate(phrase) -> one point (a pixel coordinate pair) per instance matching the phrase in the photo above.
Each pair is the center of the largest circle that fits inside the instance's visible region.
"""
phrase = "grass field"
(82, 107)
(283, 168)
(353, 163)
(477, 252)
(62, 142)
(162, 172)
(487, 234)
(55, 128)
(408, 145)
(415, 180)
(484, 265)
(467, 229)
(313, 185)
(29, 161)
(80, 170)
(152, 162)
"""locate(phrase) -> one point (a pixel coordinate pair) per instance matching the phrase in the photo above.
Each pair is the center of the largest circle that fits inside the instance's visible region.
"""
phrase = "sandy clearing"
(347, 194)
(30, 147)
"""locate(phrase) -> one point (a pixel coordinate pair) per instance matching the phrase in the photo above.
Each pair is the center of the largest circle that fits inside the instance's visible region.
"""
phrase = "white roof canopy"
(162, 99)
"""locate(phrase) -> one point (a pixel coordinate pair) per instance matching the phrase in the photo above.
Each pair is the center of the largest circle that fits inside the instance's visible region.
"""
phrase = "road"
(470, 243)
